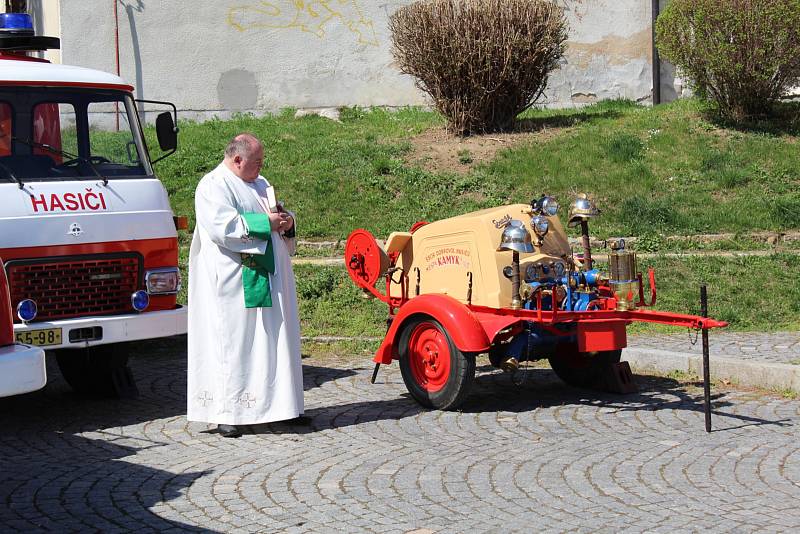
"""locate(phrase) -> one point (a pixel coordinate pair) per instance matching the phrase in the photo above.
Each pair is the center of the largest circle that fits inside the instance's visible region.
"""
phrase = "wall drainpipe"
(116, 53)
(656, 60)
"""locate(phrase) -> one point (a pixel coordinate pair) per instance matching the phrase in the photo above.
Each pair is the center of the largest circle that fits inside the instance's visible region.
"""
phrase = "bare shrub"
(742, 54)
(482, 62)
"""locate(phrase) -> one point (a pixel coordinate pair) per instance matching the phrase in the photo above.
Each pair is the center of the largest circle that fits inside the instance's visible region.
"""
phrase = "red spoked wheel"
(435, 371)
(429, 357)
(582, 369)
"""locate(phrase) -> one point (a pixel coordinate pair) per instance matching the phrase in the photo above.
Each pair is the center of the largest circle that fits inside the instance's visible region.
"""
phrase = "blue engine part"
(575, 300)
(534, 343)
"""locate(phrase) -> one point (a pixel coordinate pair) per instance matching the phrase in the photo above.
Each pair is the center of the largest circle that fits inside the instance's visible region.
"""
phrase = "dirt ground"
(437, 150)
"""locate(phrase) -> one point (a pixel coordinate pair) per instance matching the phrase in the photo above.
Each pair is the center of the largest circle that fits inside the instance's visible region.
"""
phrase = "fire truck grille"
(72, 287)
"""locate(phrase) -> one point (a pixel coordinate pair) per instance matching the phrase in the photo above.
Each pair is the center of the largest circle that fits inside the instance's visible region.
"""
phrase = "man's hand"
(281, 221)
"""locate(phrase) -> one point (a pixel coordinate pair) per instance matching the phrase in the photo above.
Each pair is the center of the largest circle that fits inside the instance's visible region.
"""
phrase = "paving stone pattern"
(773, 347)
(535, 457)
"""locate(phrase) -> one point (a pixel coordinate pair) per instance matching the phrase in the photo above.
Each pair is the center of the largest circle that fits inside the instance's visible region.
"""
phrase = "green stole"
(256, 268)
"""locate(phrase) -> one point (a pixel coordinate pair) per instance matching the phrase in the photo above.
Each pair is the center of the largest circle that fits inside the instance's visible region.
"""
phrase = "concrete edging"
(745, 373)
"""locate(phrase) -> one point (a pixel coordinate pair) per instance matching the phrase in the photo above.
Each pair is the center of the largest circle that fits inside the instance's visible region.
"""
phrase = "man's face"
(249, 167)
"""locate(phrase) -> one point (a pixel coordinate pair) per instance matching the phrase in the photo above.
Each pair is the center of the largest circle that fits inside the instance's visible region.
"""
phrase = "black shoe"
(301, 420)
(229, 431)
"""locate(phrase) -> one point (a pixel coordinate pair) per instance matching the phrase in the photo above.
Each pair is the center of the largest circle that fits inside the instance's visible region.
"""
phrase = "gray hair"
(242, 145)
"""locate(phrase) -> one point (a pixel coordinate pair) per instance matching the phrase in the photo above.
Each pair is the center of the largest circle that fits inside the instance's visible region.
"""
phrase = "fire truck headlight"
(140, 300)
(163, 281)
(27, 310)
(540, 225)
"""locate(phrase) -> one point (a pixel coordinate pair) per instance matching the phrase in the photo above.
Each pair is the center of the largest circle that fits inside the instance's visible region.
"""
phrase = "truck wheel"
(101, 370)
(436, 373)
(582, 369)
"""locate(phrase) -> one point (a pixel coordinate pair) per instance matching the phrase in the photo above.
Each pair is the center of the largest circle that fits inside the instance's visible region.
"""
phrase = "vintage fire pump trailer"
(503, 281)
(87, 236)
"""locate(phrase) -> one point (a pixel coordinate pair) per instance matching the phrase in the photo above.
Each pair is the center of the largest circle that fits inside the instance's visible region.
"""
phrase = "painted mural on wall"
(311, 16)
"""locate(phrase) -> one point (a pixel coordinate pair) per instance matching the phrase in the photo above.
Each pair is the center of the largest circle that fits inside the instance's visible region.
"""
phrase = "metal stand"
(706, 366)
(587, 247)
(375, 373)
(516, 302)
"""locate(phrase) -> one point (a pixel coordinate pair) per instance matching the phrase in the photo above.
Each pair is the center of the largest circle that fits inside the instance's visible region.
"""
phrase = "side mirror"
(166, 132)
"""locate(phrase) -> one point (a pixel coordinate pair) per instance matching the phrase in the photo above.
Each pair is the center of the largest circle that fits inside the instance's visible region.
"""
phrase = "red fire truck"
(88, 240)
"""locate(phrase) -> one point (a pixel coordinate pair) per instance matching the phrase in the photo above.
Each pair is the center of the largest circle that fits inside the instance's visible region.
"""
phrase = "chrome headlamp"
(165, 281)
(545, 205)
(540, 225)
(549, 206)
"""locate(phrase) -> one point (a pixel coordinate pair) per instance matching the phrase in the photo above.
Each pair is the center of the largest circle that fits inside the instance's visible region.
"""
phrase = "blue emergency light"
(140, 300)
(27, 310)
(17, 35)
(20, 23)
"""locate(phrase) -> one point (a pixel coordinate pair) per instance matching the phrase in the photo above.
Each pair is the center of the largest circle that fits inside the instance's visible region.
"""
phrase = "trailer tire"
(436, 373)
(582, 369)
(101, 370)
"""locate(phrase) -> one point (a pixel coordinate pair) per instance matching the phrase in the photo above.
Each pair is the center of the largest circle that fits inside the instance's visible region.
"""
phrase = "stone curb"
(745, 373)
(766, 375)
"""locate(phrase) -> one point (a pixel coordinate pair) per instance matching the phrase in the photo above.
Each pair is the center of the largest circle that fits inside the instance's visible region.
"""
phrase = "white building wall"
(215, 58)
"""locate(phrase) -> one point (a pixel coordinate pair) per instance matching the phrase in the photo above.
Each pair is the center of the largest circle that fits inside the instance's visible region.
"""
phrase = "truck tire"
(101, 370)
(436, 373)
(582, 369)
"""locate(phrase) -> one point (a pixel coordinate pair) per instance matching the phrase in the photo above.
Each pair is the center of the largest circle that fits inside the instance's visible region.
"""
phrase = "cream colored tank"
(442, 253)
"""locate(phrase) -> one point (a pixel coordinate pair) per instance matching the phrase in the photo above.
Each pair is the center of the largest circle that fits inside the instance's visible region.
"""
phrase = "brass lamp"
(515, 238)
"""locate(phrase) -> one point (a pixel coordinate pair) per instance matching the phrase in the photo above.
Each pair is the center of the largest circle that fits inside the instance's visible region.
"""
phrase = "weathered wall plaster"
(222, 57)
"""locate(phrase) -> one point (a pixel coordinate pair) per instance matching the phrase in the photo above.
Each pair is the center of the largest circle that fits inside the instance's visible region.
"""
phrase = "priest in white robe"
(244, 363)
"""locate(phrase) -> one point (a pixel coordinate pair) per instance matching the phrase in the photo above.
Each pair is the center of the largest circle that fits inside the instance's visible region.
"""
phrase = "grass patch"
(623, 148)
(682, 376)
(331, 305)
(787, 393)
(665, 170)
(653, 172)
(741, 290)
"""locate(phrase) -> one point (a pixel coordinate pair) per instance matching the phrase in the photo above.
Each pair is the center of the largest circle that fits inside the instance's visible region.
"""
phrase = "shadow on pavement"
(344, 415)
(68, 483)
(494, 391)
(540, 388)
(53, 476)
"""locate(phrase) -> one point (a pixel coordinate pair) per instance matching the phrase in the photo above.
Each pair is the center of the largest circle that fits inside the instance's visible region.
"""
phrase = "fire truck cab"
(87, 237)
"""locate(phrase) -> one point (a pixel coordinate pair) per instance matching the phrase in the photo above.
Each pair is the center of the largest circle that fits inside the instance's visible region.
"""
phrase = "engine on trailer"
(569, 283)
(505, 280)
(460, 257)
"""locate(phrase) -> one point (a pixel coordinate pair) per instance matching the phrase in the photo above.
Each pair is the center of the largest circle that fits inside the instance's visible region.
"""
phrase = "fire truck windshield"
(55, 134)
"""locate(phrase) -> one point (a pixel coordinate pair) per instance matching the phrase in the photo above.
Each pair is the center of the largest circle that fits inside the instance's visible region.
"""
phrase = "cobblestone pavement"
(531, 458)
(773, 347)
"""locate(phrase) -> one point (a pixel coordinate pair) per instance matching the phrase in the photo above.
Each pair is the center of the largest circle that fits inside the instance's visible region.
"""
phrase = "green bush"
(744, 55)
(482, 62)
